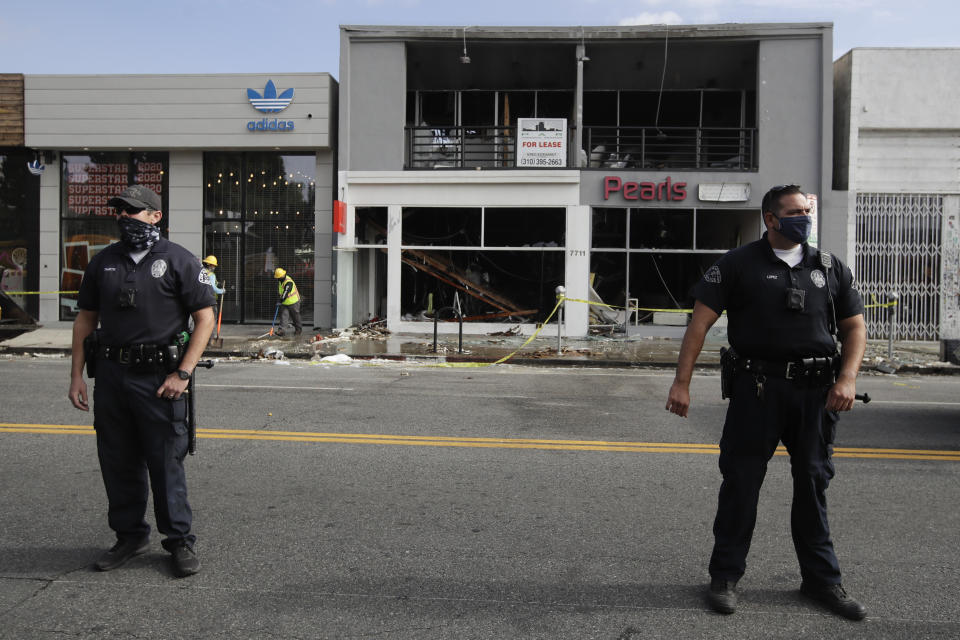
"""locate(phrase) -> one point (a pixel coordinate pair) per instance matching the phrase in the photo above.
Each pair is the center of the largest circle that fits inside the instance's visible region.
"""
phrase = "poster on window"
(90, 181)
(814, 230)
(87, 223)
(541, 142)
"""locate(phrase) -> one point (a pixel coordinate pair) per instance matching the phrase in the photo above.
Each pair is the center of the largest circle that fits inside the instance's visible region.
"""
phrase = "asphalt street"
(402, 501)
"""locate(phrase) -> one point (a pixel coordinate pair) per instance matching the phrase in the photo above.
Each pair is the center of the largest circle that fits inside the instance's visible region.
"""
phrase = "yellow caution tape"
(614, 306)
(880, 305)
(34, 293)
(560, 300)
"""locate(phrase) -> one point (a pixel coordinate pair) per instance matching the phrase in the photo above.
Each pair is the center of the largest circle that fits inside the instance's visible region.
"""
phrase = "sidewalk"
(243, 341)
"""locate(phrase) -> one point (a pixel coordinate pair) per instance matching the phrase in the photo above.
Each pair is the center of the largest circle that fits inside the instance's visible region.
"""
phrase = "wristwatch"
(184, 375)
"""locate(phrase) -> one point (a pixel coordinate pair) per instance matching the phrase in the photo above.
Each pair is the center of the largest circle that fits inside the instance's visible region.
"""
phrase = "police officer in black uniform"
(783, 299)
(141, 291)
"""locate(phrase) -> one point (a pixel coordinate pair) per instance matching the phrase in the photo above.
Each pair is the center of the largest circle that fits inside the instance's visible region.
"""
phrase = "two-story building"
(481, 167)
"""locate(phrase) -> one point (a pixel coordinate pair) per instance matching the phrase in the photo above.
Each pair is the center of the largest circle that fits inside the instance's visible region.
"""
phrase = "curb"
(580, 362)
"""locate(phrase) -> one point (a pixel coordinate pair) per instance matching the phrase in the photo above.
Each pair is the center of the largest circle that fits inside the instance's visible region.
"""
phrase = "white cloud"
(649, 17)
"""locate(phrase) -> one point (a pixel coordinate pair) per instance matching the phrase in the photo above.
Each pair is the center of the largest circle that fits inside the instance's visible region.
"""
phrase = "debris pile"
(918, 355)
(269, 353)
(339, 358)
(375, 330)
(552, 353)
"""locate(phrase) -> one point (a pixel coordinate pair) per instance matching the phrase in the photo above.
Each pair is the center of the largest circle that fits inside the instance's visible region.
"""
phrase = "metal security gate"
(898, 250)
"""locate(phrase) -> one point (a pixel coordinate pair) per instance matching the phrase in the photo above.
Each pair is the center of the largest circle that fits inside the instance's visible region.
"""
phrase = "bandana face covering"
(137, 235)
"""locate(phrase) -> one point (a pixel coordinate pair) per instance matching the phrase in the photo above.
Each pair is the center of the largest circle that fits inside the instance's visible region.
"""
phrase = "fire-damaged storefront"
(651, 240)
(20, 169)
(483, 167)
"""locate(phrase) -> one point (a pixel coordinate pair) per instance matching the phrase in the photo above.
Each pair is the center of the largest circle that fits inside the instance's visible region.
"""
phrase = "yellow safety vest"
(294, 296)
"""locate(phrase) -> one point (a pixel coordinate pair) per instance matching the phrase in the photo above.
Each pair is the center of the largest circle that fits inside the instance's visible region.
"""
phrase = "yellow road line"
(490, 443)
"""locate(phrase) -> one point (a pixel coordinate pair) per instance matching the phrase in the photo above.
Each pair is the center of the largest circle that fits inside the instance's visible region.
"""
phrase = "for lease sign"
(541, 142)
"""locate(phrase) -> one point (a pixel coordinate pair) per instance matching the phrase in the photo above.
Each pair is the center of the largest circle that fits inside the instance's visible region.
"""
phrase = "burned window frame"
(616, 285)
(482, 263)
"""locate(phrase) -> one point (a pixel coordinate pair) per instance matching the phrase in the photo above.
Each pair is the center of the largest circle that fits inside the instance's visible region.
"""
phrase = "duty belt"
(802, 369)
(139, 355)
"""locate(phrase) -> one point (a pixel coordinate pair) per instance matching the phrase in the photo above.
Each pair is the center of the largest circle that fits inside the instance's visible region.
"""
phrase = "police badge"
(158, 268)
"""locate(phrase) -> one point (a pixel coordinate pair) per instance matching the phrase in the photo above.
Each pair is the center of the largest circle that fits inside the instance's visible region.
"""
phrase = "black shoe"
(836, 599)
(722, 597)
(121, 552)
(297, 333)
(185, 561)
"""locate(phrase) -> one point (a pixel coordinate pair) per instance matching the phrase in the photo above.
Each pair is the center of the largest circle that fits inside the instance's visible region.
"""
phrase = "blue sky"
(242, 36)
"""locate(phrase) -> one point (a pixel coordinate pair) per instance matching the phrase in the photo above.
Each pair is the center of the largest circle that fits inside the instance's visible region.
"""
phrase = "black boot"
(835, 599)
(121, 552)
(722, 596)
(185, 561)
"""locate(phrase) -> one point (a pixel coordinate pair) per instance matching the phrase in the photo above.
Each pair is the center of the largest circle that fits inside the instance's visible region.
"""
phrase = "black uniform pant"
(753, 428)
(141, 437)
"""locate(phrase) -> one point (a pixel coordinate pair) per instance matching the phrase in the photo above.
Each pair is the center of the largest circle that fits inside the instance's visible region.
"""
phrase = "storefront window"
(259, 215)
(655, 255)
(661, 229)
(726, 229)
(19, 227)
(370, 225)
(442, 227)
(497, 264)
(87, 223)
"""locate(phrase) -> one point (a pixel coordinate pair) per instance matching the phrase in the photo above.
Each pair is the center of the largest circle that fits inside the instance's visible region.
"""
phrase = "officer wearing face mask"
(785, 302)
(141, 291)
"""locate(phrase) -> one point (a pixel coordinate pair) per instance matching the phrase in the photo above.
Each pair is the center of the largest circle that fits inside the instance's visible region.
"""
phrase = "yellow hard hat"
(211, 260)
(279, 273)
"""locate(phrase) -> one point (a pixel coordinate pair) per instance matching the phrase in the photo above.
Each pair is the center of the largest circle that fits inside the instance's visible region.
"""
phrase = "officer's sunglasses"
(783, 187)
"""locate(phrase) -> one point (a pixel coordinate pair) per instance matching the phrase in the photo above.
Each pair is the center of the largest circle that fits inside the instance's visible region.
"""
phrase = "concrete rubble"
(373, 342)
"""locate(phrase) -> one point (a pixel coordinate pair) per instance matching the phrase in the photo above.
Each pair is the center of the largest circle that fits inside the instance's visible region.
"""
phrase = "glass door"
(224, 240)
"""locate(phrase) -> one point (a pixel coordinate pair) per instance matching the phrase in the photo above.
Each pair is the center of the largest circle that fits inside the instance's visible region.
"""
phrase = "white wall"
(50, 244)
(904, 124)
(185, 200)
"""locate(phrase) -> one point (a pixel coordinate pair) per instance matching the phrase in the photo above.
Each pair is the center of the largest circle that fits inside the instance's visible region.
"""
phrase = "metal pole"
(891, 315)
(561, 292)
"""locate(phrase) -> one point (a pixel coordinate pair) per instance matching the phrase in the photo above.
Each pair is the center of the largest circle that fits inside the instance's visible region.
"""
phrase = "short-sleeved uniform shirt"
(170, 284)
(750, 283)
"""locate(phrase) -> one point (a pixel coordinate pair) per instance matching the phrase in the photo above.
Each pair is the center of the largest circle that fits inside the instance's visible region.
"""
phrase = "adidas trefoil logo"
(270, 102)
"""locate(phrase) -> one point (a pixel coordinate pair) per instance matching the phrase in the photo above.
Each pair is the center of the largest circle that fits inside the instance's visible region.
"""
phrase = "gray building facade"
(245, 165)
(659, 141)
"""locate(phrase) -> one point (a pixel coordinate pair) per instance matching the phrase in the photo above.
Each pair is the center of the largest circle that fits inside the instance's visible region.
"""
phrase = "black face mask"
(137, 235)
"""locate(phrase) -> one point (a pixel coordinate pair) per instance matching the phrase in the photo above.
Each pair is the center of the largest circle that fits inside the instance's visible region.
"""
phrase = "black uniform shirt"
(169, 282)
(751, 284)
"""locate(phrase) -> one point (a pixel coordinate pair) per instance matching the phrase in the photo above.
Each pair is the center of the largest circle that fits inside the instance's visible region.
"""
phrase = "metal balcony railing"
(730, 149)
(704, 148)
(460, 147)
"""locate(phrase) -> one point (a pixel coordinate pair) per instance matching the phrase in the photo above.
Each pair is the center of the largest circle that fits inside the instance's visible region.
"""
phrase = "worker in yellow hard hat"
(209, 264)
(289, 301)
